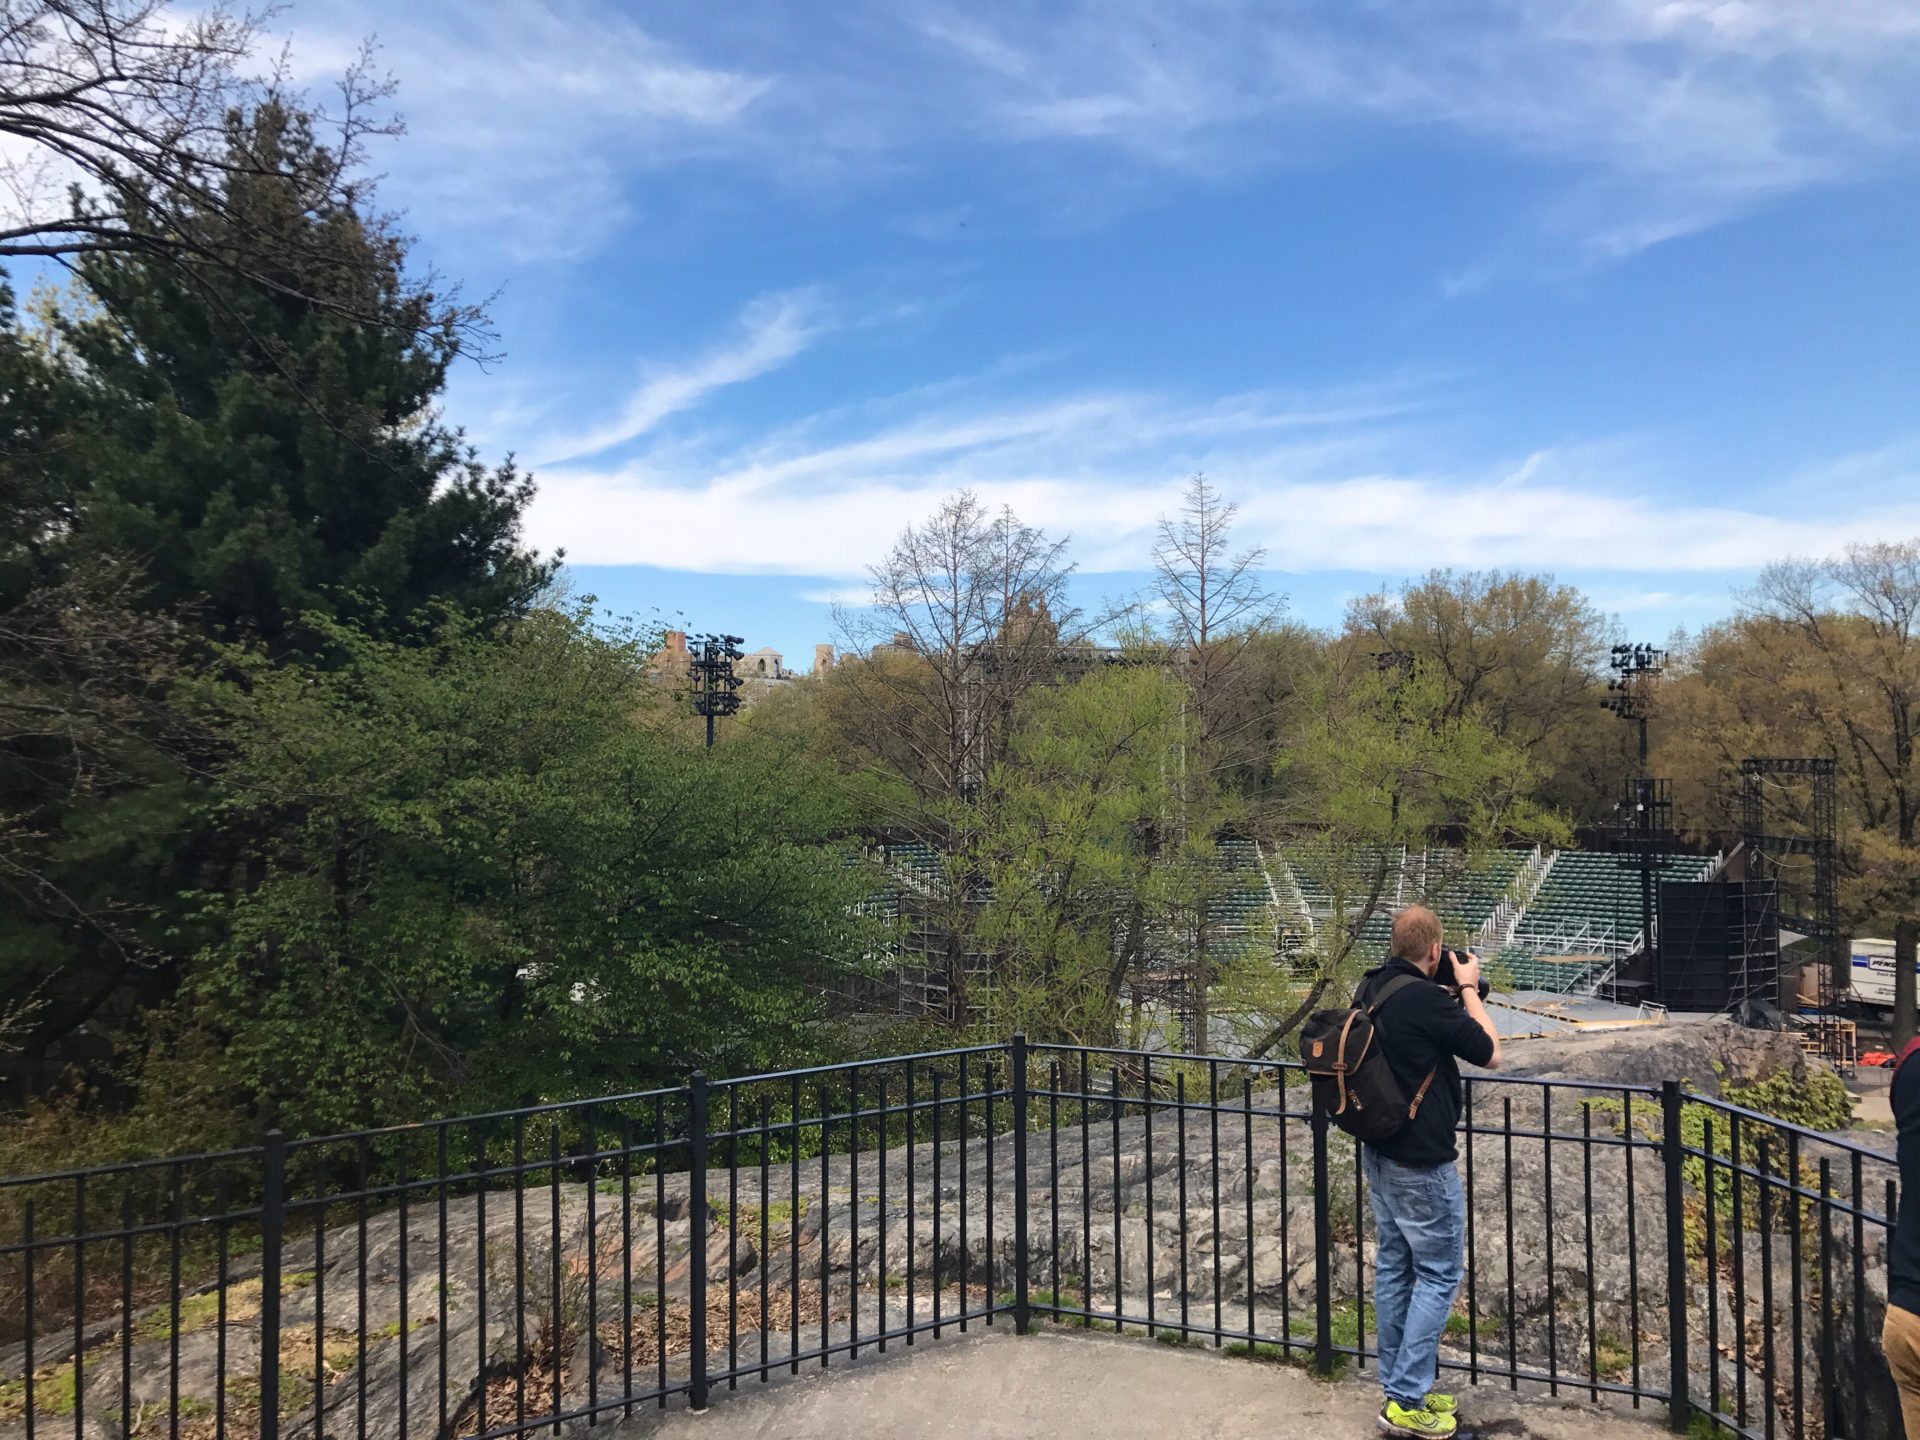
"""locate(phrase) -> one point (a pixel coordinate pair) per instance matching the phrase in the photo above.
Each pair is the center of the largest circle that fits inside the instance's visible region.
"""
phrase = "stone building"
(760, 672)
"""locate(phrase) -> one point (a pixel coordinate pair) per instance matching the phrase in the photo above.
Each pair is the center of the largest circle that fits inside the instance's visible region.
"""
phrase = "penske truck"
(1873, 973)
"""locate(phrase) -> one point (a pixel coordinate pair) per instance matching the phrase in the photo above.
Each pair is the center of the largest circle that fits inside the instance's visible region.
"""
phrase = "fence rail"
(566, 1264)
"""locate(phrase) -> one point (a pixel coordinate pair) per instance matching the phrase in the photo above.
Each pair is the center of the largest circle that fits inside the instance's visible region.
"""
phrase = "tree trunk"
(1905, 935)
(1293, 1022)
(1198, 1040)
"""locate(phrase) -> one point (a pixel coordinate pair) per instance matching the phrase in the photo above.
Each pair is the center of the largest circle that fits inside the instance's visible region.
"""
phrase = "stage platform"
(1525, 1014)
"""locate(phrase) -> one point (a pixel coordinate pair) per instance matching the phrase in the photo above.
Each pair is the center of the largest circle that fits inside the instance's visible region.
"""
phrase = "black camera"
(1446, 975)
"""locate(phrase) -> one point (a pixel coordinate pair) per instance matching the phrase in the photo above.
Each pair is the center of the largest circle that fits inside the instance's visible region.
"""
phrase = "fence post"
(697, 1237)
(1322, 1250)
(1671, 1147)
(273, 1201)
(1018, 1060)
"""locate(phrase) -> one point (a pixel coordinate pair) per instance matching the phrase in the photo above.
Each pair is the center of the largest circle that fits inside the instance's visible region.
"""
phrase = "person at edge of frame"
(1419, 1211)
(1900, 1334)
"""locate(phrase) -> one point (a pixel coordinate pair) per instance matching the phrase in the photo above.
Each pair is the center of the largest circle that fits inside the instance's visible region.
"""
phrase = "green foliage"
(488, 877)
(274, 453)
(1491, 1325)
(1818, 1102)
(1375, 761)
(1262, 1350)
(195, 456)
(53, 1392)
(1061, 833)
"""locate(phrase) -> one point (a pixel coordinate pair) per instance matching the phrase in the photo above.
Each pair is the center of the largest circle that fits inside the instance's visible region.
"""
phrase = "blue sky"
(1623, 290)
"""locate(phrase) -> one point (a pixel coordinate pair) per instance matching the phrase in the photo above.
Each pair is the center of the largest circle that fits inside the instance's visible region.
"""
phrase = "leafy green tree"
(966, 618)
(1527, 654)
(1074, 884)
(494, 874)
(1826, 662)
(93, 790)
(1382, 759)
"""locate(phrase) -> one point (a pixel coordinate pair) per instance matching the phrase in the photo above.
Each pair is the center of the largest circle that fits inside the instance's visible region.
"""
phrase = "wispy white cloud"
(538, 124)
(1352, 479)
(1666, 115)
(531, 123)
(774, 329)
(1637, 601)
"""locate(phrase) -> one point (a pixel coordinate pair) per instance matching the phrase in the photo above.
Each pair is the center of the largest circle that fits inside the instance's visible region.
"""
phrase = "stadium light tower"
(715, 686)
(1630, 691)
(1630, 696)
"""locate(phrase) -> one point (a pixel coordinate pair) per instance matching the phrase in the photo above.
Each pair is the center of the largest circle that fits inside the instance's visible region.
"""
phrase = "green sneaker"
(1441, 1404)
(1396, 1419)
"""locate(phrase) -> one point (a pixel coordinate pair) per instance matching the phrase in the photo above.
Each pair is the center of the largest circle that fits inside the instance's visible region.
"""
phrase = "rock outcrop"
(1181, 1218)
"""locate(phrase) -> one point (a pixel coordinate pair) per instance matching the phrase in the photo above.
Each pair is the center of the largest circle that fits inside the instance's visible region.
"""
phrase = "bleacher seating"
(1250, 899)
(1560, 975)
(1465, 893)
(1349, 879)
(1596, 896)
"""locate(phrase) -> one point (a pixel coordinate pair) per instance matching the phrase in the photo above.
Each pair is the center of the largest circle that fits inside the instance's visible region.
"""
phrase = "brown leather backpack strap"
(1340, 1045)
(1340, 1066)
(1421, 1093)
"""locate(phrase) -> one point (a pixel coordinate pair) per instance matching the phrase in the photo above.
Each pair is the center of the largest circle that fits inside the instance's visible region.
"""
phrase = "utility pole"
(715, 686)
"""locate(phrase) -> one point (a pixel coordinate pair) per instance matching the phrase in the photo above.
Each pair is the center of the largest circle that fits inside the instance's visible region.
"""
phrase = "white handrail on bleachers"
(1293, 884)
(1585, 937)
(1539, 865)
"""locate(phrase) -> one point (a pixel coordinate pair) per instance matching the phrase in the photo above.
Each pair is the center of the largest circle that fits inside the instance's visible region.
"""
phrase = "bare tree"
(1854, 622)
(968, 613)
(122, 125)
(1215, 605)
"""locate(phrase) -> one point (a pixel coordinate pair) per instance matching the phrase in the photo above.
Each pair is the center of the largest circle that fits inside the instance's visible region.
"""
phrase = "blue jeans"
(1419, 1215)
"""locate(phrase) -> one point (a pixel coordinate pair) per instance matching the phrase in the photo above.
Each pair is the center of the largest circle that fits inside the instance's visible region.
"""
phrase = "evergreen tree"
(197, 456)
(269, 450)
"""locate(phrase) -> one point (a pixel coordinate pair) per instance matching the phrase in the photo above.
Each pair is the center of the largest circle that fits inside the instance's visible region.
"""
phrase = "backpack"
(1353, 1085)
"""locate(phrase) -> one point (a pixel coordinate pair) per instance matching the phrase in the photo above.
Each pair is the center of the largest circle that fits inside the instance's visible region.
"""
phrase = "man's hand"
(1466, 970)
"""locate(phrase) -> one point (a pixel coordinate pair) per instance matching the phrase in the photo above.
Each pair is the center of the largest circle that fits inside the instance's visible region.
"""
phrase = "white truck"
(1873, 973)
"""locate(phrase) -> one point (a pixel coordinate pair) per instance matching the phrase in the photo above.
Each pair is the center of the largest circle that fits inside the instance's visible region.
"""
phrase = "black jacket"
(1425, 1030)
(1903, 1258)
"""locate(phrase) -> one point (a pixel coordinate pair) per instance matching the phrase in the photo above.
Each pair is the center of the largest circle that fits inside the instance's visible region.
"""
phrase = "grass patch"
(197, 1312)
(1039, 1299)
(780, 1212)
(1263, 1350)
(1345, 1324)
(1043, 1300)
(52, 1392)
(1491, 1327)
(1705, 1427)
(1612, 1356)
(150, 1415)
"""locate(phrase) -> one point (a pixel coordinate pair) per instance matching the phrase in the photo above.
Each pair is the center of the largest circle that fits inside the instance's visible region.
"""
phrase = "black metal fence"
(563, 1265)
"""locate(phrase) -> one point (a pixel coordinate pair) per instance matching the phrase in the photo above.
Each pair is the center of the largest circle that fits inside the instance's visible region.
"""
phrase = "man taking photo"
(1419, 1212)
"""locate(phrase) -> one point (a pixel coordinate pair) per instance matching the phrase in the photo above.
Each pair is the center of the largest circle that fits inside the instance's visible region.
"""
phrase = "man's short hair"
(1416, 930)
